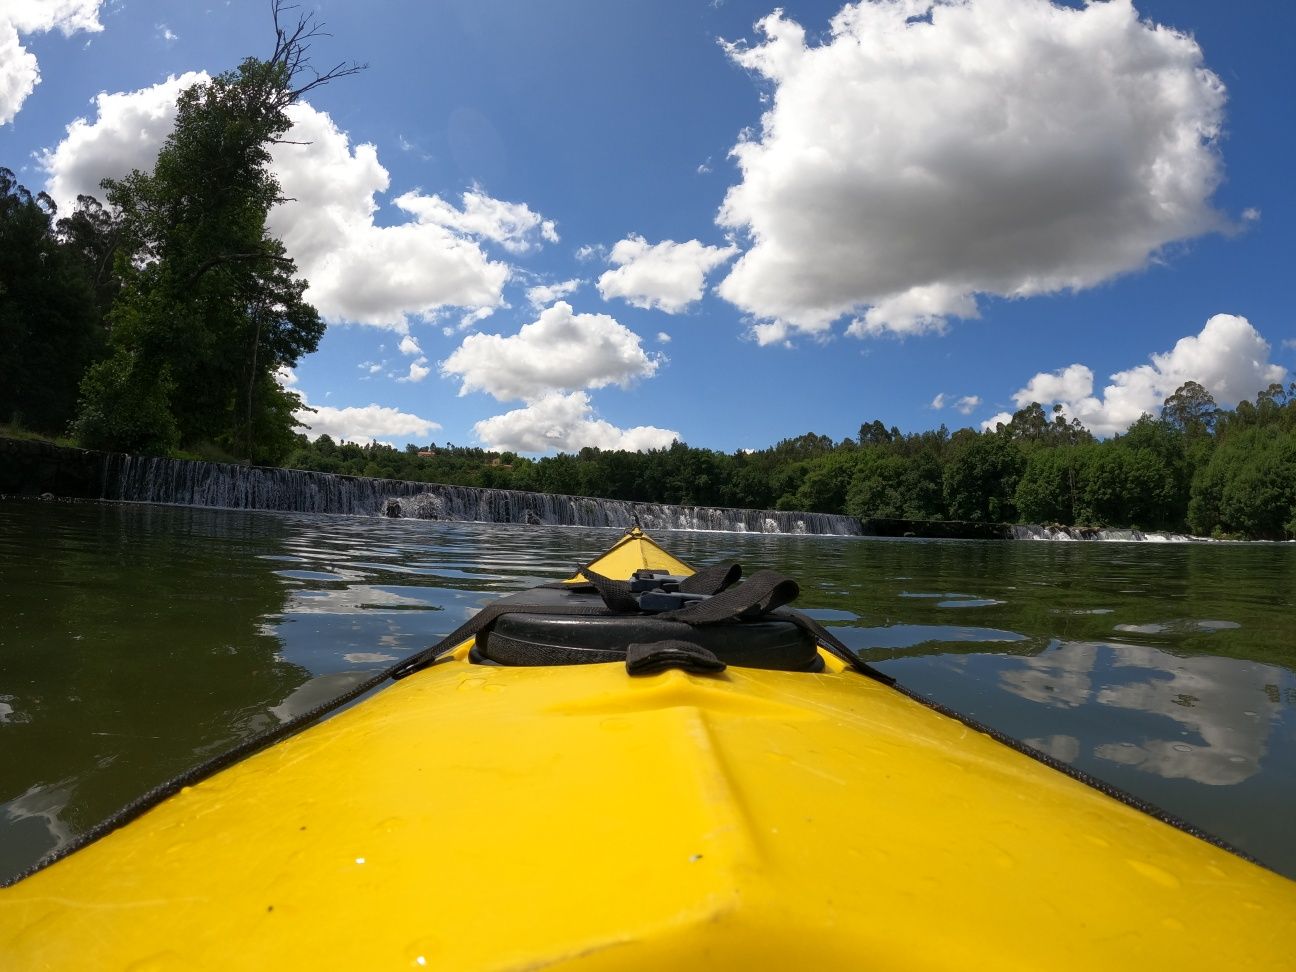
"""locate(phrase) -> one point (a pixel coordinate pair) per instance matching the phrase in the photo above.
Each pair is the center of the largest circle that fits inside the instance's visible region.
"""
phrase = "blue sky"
(749, 226)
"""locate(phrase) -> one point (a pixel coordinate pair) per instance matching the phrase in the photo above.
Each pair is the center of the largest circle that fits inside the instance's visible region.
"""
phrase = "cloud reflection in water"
(1224, 709)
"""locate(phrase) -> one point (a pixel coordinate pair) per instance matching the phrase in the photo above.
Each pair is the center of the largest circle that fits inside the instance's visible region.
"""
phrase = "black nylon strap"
(836, 646)
(713, 579)
(649, 658)
(762, 593)
(616, 594)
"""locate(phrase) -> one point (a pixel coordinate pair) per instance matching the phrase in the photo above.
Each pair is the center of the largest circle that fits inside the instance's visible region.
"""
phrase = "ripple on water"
(321, 575)
(1181, 626)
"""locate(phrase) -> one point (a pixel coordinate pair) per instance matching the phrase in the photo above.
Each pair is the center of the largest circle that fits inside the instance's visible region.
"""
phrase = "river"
(137, 640)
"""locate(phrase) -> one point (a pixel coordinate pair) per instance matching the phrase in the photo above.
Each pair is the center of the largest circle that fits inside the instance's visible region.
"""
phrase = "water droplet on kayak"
(422, 952)
(1154, 873)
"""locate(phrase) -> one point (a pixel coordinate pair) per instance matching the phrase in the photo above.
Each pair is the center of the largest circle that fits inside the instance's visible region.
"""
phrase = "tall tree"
(210, 305)
(49, 326)
(1191, 409)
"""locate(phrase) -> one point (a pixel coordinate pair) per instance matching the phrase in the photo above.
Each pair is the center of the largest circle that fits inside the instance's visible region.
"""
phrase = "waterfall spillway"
(190, 483)
(1039, 532)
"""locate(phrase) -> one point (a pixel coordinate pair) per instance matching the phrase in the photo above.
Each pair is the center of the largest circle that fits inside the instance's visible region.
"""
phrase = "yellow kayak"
(519, 816)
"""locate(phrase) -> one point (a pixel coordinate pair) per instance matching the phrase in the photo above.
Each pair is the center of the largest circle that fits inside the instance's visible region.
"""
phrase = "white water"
(1060, 533)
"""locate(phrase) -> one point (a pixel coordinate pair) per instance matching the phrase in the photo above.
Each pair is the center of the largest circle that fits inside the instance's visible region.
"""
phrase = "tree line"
(157, 322)
(1196, 467)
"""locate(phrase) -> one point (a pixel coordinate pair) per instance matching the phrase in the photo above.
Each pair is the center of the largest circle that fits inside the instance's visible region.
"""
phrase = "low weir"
(146, 479)
(1038, 532)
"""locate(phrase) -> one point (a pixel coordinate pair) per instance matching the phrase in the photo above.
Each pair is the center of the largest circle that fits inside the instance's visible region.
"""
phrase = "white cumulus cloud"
(1228, 358)
(364, 424)
(667, 276)
(565, 423)
(371, 274)
(512, 225)
(418, 370)
(127, 132)
(542, 295)
(559, 351)
(358, 270)
(932, 150)
(19, 71)
(965, 404)
(409, 345)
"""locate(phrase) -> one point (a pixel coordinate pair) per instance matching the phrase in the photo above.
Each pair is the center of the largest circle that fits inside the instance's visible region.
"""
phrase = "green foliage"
(1249, 486)
(50, 326)
(1192, 410)
(1031, 428)
(1049, 487)
(824, 488)
(980, 481)
(126, 407)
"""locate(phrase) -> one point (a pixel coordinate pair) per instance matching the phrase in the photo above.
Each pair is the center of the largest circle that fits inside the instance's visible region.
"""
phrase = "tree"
(49, 325)
(209, 296)
(826, 482)
(1104, 495)
(1048, 489)
(93, 235)
(1033, 428)
(981, 479)
(1191, 409)
(1249, 486)
(874, 433)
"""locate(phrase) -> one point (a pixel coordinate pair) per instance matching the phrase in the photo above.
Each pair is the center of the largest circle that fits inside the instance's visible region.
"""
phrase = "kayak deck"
(486, 817)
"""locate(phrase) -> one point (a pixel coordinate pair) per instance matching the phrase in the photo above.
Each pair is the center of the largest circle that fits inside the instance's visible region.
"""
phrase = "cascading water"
(1038, 532)
(188, 483)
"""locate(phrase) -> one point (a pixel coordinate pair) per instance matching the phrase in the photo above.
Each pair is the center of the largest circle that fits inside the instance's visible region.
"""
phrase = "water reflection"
(1216, 717)
(1061, 676)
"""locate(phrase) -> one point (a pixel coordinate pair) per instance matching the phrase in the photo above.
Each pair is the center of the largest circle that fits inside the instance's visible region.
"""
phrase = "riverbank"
(33, 466)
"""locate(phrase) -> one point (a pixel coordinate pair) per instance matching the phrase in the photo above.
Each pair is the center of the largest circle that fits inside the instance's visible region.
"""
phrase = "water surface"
(137, 640)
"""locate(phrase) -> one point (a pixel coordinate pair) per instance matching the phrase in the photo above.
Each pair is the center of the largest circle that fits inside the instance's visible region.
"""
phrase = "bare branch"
(292, 50)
